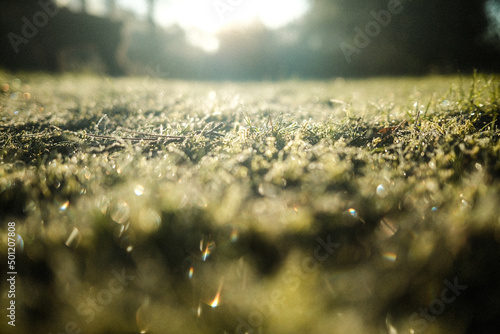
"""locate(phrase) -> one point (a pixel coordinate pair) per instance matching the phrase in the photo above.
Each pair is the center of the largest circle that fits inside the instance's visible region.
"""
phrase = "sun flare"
(205, 19)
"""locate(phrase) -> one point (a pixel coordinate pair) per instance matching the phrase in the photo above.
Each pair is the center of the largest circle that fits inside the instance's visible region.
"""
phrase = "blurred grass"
(194, 188)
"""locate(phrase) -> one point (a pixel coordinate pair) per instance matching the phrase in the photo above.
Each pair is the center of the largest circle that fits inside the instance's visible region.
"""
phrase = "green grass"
(242, 184)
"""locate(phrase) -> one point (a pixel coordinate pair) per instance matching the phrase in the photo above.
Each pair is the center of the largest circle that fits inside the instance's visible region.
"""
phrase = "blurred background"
(251, 39)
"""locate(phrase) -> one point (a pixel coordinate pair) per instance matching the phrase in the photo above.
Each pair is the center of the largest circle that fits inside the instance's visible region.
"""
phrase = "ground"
(140, 205)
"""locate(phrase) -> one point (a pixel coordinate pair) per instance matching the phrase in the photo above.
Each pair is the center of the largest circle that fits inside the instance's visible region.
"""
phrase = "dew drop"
(198, 311)
(139, 190)
(206, 247)
(149, 220)
(215, 302)
(20, 167)
(64, 206)
(120, 212)
(16, 83)
(20, 244)
(390, 256)
(353, 213)
(119, 231)
(103, 204)
(191, 272)
(386, 229)
(465, 204)
(234, 235)
(143, 316)
(389, 324)
(74, 239)
(381, 190)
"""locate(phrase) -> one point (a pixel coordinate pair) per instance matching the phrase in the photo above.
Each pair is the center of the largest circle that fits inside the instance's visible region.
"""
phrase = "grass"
(343, 206)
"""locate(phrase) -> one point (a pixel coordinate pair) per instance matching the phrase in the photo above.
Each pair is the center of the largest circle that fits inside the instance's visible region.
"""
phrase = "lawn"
(143, 205)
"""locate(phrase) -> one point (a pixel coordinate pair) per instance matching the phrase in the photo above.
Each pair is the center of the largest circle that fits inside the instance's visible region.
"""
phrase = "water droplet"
(64, 206)
(206, 247)
(234, 235)
(464, 202)
(20, 244)
(198, 311)
(74, 239)
(139, 190)
(103, 204)
(125, 242)
(149, 220)
(389, 256)
(353, 213)
(16, 83)
(143, 316)
(30, 206)
(119, 231)
(120, 212)
(266, 189)
(16, 112)
(20, 167)
(191, 272)
(381, 190)
(434, 208)
(389, 324)
(215, 302)
(386, 229)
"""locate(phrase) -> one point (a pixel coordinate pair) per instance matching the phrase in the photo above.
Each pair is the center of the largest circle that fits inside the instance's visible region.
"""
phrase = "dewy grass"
(343, 206)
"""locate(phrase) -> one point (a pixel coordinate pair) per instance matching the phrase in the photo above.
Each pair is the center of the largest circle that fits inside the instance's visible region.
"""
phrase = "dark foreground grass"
(146, 206)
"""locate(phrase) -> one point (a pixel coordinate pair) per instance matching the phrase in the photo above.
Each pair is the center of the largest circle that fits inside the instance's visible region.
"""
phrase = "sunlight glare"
(204, 20)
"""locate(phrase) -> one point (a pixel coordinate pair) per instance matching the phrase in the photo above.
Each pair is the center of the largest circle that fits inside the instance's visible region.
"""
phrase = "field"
(345, 206)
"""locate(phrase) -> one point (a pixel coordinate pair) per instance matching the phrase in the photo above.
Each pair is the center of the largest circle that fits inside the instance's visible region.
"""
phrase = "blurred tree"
(111, 8)
(67, 41)
(425, 35)
(151, 11)
(83, 6)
